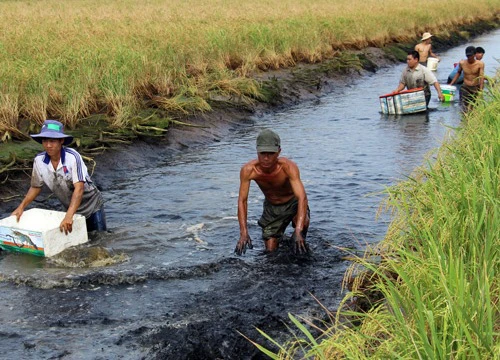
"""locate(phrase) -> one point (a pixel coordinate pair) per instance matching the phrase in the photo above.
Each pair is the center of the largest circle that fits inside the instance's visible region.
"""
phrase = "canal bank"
(281, 88)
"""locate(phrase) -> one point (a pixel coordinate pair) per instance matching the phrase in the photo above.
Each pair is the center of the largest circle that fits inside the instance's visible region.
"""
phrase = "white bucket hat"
(426, 36)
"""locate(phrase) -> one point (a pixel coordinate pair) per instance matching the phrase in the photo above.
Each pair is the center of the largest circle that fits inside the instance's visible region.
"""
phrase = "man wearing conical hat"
(424, 48)
(63, 171)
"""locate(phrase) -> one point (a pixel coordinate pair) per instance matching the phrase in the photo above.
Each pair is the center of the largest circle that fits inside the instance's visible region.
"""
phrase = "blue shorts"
(97, 221)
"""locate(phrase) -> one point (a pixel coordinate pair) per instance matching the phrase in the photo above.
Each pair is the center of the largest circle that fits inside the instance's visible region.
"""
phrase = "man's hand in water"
(299, 245)
(241, 246)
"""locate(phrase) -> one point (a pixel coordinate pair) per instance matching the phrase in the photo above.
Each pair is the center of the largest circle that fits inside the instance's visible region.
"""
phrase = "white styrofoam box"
(404, 102)
(37, 232)
(448, 92)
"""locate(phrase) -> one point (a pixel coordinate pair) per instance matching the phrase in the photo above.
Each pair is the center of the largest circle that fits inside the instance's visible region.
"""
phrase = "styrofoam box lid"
(448, 87)
(37, 220)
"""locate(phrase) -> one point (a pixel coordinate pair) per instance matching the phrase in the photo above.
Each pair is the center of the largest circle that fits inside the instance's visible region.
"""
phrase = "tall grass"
(69, 59)
(438, 281)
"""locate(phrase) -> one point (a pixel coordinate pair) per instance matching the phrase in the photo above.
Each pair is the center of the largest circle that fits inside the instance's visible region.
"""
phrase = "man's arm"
(245, 239)
(300, 193)
(76, 199)
(438, 89)
(481, 75)
(31, 195)
(432, 54)
(400, 87)
(457, 75)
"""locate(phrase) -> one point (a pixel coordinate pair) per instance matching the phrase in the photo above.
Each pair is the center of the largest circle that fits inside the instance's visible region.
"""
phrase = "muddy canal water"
(176, 290)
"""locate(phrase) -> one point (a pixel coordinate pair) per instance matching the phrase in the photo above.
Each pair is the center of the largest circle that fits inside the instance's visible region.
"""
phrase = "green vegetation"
(434, 293)
(72, 59)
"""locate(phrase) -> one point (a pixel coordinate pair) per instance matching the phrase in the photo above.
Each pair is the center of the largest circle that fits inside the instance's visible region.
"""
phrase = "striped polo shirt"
(70, 170)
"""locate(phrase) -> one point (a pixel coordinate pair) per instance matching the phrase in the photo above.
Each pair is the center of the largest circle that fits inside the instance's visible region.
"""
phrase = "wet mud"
(252, 296)
(211, 321)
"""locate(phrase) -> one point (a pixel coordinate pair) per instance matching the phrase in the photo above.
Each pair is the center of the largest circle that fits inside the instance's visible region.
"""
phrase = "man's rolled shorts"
(276, 218)
(468, 94)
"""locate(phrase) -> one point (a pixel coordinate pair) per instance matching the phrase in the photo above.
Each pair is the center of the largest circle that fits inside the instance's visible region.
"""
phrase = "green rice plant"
(298, 347)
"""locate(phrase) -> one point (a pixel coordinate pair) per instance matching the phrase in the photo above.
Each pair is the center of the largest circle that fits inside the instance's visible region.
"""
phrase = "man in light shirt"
(63, 171)
(416, 75)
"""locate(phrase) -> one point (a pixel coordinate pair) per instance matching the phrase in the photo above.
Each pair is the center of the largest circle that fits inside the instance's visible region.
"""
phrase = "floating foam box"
(404, 102)
(37, 232)
(448, 92)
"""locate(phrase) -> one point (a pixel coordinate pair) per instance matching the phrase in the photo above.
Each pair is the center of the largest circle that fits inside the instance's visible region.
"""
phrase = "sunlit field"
(71, 59)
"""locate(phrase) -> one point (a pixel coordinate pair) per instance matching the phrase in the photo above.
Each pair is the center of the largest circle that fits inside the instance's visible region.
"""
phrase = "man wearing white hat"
(63, 171)
(424, 48)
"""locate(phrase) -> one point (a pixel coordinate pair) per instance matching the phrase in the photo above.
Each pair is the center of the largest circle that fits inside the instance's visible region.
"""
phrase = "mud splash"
(86, 257)
(110, 277)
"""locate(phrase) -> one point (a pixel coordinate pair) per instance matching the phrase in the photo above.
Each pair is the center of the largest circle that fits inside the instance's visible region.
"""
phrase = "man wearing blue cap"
(63, 171)
(473, 70)
(285, 198)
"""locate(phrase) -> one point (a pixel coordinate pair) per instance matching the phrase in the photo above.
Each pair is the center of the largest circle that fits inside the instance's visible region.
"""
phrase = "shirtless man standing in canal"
(473, 78)
(424, 49)
(285, 198)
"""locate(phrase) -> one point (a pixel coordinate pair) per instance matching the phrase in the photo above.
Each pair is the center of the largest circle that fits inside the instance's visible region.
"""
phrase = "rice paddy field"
(131, 60)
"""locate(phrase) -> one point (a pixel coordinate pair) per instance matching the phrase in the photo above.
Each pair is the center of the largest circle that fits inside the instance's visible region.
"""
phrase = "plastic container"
(432, 63)
(448, 92)
(404, 102)
(37, 233)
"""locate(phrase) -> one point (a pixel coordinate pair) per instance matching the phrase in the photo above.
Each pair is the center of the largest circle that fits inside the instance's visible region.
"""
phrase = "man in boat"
(473, 84)
(63, 171)
(285, 198)
(424, 49)
(416, 75)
